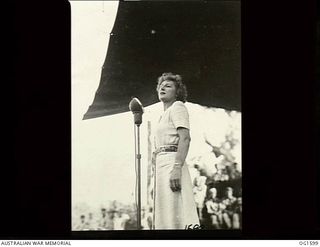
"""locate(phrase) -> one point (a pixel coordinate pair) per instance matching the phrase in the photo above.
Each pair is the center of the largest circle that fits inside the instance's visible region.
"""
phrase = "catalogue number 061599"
(307, 242)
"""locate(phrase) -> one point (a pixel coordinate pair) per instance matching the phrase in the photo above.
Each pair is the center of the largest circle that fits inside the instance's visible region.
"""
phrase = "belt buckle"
(166, 149)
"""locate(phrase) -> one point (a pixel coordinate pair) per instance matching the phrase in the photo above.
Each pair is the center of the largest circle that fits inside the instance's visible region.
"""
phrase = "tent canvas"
(198, 39)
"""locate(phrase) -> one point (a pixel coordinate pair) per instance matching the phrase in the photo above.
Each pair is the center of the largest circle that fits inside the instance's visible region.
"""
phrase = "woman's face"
(167, 91)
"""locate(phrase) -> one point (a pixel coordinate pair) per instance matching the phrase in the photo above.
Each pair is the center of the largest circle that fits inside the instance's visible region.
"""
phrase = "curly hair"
(177, 80)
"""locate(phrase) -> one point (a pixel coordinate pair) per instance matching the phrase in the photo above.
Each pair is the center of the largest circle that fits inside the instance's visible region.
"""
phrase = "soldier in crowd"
(83, 225)
(91, 223)
(237, 215)
(105, 220)
(228, 207)
(213, 209)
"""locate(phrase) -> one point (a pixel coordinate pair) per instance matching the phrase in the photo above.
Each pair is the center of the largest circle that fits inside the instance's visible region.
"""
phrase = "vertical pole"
(138, 157)
(149, 170)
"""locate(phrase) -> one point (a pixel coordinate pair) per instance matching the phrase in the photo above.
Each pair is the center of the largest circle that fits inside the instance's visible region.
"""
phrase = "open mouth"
(162, 93)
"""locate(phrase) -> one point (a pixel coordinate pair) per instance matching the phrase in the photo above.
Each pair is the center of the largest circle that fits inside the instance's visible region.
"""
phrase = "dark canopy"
(199, 40)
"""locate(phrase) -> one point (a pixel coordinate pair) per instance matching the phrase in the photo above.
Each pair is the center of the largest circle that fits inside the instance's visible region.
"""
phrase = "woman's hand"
(175, 179)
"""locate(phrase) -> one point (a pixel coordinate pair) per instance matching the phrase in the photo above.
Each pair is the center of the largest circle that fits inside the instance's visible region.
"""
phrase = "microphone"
(137, 109)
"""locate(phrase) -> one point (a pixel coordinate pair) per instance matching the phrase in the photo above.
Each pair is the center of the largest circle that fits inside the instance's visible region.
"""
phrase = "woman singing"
(174, 205)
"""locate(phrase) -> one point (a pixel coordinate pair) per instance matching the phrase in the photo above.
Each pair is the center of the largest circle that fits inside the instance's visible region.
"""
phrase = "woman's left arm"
(183, 145)
(180, 120)
(183, 148)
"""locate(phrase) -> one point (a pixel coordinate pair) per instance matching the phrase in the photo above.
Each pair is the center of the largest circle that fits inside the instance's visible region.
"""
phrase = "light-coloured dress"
(172, 210)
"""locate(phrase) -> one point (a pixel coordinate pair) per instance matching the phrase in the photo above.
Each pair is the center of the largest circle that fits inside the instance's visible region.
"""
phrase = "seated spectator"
(102, 222)
(237, 215)
(228, 203)
(200, 191)
(83, 225)
(106, 220)
(213, 209)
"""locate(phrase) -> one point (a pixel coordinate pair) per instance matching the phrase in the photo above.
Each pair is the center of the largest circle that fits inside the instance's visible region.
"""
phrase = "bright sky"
(103, 148)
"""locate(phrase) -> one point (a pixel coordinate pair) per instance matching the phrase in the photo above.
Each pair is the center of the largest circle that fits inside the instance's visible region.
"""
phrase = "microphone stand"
(138, 163)
(137, 109)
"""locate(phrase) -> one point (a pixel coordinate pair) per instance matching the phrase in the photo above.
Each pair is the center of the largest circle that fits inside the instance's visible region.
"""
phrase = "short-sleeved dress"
(172, 210)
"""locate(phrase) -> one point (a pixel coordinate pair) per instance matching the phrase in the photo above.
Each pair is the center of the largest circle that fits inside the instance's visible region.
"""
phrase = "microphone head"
(137, 109)
(135, 106)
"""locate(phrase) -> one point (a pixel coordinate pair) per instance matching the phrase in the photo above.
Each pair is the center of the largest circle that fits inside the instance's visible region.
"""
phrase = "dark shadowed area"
(199, 40)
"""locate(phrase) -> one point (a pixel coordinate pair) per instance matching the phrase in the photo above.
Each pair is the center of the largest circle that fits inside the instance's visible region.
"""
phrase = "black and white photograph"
(156, 115)
(162, 120)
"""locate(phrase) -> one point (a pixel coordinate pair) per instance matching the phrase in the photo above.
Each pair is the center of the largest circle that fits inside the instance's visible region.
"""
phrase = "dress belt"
(172, 148)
